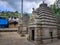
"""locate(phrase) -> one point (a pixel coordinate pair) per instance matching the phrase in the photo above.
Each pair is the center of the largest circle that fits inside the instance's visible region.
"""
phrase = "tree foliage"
(10, 14)
(56, 10)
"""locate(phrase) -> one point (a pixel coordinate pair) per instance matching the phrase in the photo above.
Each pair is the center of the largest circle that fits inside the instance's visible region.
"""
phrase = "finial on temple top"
(33, 9)
(43, 2)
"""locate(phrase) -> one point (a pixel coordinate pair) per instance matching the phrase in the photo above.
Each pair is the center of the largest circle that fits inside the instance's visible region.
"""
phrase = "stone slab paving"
(54, 43)
(13, 38)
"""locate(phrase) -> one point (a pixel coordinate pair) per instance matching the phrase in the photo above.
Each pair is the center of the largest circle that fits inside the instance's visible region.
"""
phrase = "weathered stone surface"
(44, 24)
(13, 38)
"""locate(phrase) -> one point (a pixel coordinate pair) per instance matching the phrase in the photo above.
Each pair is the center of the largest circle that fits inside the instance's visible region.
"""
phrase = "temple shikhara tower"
(43, 24)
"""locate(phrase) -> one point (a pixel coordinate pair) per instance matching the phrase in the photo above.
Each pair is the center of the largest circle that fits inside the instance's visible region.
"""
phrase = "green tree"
(9, 14)
(56, 10)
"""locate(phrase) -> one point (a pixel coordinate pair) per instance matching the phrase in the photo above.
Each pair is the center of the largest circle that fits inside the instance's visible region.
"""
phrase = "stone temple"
(43, 25)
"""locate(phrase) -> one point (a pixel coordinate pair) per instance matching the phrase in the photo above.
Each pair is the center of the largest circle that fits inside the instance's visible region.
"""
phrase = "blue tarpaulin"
(3, 22)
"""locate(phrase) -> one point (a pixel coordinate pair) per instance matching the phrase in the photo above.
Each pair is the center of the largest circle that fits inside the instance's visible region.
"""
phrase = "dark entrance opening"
(51, 35)
(58, 34)
(32, 34)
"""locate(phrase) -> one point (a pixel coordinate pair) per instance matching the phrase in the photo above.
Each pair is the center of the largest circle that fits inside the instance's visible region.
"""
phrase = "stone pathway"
(13, 38)
(54, 43)
(57, 42)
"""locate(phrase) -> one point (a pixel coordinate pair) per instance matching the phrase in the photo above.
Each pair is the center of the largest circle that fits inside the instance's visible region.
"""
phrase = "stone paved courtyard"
(13, 38)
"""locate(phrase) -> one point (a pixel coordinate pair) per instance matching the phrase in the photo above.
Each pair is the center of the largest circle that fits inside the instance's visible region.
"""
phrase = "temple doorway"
(51, 35)
(32, 34)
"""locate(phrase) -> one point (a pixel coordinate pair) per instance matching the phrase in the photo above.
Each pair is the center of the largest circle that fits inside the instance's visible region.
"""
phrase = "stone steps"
(8, 29)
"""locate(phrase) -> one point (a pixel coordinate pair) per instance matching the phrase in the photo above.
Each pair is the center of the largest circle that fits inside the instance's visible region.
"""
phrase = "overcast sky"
(15, 5)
